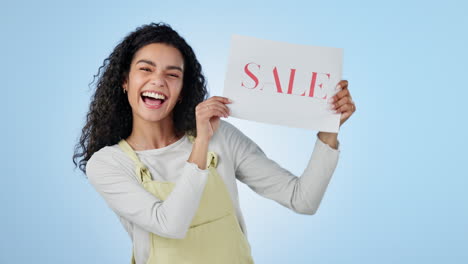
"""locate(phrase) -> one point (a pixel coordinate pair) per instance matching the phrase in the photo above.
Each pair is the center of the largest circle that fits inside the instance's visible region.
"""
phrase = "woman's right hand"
(208, 114)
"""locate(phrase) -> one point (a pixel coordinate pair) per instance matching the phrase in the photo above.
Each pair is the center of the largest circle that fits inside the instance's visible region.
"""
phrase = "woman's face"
(154, 82)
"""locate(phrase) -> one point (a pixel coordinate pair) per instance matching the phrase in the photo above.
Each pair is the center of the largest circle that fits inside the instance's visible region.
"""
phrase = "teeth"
(154, 95)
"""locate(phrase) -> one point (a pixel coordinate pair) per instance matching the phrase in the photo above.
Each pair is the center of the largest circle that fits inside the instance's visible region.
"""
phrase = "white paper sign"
(282, 83)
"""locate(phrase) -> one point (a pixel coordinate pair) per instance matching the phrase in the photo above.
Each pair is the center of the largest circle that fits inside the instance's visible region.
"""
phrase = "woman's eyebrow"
(154, 65)
(147, 61)
(175, 68)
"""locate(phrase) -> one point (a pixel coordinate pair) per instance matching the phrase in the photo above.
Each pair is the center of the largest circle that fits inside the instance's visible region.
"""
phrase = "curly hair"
(109, 118)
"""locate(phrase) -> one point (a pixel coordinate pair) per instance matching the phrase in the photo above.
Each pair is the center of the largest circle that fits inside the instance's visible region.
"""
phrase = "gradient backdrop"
(397, 196)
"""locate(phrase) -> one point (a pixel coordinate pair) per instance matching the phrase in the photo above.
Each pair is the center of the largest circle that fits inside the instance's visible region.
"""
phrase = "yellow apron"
(214, 235)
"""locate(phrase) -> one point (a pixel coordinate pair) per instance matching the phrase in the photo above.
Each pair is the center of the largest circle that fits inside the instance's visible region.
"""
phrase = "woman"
(164, 162)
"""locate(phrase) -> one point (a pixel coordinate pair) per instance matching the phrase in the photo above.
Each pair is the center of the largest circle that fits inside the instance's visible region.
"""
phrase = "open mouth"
(152, 99)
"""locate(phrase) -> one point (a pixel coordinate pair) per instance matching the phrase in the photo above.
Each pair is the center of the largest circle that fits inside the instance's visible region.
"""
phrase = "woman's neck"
(152, 135)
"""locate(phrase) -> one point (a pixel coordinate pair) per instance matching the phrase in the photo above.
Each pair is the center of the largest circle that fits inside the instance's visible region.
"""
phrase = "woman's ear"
(125, 85)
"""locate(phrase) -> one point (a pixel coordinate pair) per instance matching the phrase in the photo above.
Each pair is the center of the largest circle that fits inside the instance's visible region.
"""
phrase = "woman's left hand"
(342, 102)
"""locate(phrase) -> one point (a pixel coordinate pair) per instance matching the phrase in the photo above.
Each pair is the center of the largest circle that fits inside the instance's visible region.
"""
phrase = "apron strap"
(142, 172)
(211, 159)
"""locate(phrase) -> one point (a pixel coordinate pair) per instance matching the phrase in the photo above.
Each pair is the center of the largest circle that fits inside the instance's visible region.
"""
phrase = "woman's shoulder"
(105, 152)
(107, 156)
(231, 132)
(224, 133)
(232, 136)
(227, 129)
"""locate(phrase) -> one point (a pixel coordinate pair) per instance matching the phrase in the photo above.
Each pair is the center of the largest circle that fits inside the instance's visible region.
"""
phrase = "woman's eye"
(145, 69)
(174, 75)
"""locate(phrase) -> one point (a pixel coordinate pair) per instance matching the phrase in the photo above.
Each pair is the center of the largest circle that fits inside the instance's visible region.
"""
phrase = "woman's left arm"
(342, 103)
(301, 194)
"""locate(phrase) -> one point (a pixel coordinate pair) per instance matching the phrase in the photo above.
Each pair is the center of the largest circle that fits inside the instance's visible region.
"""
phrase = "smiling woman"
(154, 82)
(158, 153)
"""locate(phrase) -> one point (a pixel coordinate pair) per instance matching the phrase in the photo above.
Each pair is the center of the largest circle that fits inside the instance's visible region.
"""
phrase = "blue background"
(398, 193)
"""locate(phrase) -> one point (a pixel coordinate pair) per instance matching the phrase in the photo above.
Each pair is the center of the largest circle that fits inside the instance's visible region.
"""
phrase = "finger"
(219, 106)
(341, 102)
(221, 99)
(208, 113)
(343, 84)
(214, 109)
(352, 103)
(345, 116)
(339, 95)
(217, 113)
(344, 108)
(211, 103)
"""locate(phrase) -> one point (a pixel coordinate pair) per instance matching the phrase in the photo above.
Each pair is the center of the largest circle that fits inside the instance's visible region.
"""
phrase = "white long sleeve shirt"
(112, 174)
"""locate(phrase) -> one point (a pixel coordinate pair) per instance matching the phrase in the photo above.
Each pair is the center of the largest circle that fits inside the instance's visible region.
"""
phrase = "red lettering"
(318, 80)
(251, 75)
(278, 83)
(325, 97)
(313, 83)
(291, 80)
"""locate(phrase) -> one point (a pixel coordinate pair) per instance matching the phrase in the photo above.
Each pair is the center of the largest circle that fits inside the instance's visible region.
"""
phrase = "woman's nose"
(157, 80)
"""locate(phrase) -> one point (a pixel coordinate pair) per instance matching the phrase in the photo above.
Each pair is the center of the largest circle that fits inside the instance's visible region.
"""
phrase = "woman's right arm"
(208, 114)
(127, 198)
